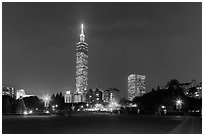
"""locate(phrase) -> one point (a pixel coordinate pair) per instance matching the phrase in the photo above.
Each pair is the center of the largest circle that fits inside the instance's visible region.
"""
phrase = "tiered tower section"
(81, 64)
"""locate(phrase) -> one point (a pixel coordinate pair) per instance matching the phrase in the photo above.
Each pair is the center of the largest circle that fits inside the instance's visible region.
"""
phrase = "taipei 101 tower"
(81, 68)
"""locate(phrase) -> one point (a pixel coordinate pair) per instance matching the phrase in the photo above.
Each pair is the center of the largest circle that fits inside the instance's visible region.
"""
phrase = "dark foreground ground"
(101, 123)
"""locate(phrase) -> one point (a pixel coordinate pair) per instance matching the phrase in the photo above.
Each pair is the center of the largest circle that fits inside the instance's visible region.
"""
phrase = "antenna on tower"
(82, 36)
(82, 29)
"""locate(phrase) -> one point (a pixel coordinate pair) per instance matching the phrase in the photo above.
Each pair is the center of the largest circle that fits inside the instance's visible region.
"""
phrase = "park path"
(190, 125)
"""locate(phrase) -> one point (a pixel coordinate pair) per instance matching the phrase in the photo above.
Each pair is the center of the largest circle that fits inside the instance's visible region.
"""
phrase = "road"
(101, 123)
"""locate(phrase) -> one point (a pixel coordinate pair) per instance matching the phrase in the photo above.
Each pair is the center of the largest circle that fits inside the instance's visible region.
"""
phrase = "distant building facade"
(68, 97)
(198, 93)
(94, 96)
(90, 97)
(111, 95)
(77, 97)
(114, 95)
(97, 96)
(136, 86)
(192, 89)
(9, 90)
(106, 96)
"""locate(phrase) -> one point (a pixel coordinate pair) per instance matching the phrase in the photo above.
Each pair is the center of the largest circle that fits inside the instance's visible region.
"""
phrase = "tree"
(158, 88)
(8, 104)
(33, 102)
(173, 85)
(123, 101)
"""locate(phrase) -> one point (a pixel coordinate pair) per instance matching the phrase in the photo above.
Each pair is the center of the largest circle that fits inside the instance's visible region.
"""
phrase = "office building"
(136, 86)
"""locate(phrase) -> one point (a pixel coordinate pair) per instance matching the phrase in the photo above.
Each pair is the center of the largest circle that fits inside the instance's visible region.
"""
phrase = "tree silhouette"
(153, 90)
(174, 86)
(158, 88)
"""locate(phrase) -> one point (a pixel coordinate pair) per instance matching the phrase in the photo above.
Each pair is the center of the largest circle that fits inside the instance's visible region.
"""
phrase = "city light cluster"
(99, 107)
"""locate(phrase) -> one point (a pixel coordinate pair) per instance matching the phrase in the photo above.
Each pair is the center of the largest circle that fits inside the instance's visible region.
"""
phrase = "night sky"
(162, 41)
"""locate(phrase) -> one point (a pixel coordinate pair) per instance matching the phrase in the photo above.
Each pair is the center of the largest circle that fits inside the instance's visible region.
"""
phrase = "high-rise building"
(136, 86)
(68, 97)
(82, 66)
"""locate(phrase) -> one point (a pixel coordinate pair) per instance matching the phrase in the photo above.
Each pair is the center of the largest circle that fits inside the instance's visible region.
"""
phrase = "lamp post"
(46, 102)
(179, 103)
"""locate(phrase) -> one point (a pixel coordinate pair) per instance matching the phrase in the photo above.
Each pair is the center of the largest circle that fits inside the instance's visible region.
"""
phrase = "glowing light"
(67, 92)
(47, 112)
(134, 105)
(179, 101)
(30, 111)
(25, 113)
(46, 98)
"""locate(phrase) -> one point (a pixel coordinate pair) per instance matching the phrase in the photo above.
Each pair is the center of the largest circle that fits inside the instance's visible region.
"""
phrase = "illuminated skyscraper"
(82, 66)
(136, 86)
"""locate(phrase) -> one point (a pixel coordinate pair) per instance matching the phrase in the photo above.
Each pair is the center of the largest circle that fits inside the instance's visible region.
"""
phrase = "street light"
(46, 101)
(179, 103)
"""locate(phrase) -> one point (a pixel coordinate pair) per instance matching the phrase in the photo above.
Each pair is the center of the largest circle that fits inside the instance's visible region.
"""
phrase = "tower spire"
(82, 36)
(82, 29)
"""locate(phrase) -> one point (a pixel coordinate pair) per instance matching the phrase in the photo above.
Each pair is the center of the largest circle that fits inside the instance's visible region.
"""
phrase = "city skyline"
(160, 40)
